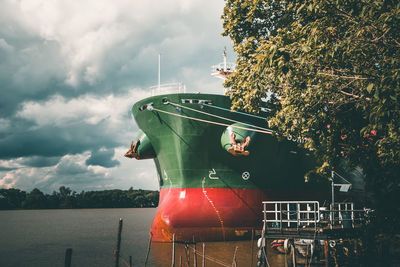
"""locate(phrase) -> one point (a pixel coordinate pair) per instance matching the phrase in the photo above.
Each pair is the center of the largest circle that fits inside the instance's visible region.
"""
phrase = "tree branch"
(353, 95)
(343, 77)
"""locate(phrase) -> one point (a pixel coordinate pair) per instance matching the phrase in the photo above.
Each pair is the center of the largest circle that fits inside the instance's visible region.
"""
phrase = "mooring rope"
(211, 258)
(219, 117)
(124, 261)
(267, 131)
(234, 111)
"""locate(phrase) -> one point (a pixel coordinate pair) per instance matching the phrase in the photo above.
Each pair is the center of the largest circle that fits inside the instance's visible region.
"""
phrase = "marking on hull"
(213, 172)
(169, 180)
(296, 139)
(246, 176)
(215, 208)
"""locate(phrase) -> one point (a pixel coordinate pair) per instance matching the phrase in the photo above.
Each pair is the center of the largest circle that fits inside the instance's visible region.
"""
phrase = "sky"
(70, 72)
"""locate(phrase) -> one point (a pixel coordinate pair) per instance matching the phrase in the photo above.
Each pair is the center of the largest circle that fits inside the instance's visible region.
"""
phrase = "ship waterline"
(212, 214)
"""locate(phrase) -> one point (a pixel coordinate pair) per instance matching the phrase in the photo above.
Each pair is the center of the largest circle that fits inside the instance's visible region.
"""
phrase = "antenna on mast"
(224, 55)
(159, 71)
(224, 69)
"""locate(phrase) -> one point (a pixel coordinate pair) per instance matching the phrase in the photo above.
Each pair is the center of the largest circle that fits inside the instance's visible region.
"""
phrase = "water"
(40, 238)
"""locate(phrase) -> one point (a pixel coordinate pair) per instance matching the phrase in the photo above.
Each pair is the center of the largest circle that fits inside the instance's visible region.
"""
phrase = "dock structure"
(303, 227)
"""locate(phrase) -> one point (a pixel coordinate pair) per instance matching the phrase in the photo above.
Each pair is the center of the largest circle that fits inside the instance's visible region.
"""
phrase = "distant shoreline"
(78, 208)
(65, 198)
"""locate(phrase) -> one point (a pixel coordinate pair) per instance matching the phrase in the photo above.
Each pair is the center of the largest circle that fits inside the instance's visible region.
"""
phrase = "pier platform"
(312, 233)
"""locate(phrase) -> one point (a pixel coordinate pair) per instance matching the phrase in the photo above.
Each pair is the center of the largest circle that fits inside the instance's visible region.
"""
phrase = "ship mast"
(223, 70)
(166, 87)
(224, 55)
(159, 71)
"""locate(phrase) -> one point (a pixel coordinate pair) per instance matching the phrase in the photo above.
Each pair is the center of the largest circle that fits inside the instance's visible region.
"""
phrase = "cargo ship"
(215, 166)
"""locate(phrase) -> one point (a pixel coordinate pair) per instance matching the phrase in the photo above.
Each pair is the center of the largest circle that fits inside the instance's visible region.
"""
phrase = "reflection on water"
(217, 254)
(40, 238)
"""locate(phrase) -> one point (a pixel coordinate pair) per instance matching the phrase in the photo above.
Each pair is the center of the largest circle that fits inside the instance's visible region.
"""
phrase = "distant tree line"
(65, 198)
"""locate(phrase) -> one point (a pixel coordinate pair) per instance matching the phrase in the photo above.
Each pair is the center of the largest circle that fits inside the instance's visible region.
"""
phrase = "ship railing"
(290, 214)
(297, 215)
(168, 88)
(344, 215)
(222, 67)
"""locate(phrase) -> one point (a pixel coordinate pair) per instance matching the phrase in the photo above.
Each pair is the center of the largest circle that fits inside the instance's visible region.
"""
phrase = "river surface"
(41, 237)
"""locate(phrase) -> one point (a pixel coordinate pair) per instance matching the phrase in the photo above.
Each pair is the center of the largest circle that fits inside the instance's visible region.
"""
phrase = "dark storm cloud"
(69, 167)
(39, 162)
(6, 169)
(102, 158)
(30, 69)
(51, 141)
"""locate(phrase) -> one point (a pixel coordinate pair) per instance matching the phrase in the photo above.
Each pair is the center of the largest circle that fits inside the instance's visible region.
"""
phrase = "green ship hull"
(206, 192)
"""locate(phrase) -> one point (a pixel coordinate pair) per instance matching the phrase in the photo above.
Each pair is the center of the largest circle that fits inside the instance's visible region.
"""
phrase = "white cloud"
(21, 178)
(72, 172)
(90, 31)
(136, 173)
(7, 181)
(5, 46)
(10, 164)
(89, 109)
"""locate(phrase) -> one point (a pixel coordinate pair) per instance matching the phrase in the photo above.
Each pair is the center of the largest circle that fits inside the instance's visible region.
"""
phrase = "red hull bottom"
(210, 214)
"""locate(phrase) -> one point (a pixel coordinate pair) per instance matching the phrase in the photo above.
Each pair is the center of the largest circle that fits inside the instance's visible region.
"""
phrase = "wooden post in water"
(326, 253)
(187, 253)
(130, 261)
(68, 256)
(204, 255)
(195, 254)
(117, 250)
(148, 248)
(307, 255)
(252, 246)
(173, 251)
(293, 255)
(234, 263)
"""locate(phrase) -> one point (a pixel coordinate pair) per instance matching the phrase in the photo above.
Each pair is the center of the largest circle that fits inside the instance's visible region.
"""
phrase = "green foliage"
(66, 199)
(334, 70)
(34, 200)
(11, 198)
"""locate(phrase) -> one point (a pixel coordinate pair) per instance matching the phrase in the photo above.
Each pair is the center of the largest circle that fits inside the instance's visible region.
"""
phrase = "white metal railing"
(289, 214)
(300, 214)
(344, 215)
(168, 88)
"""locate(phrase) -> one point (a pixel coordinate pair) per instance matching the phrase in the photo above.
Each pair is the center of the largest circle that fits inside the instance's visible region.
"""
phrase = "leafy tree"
(152, 198)
(66, 198)
(11, 198)
(65, 192)
(331, 70)
(35, 200)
